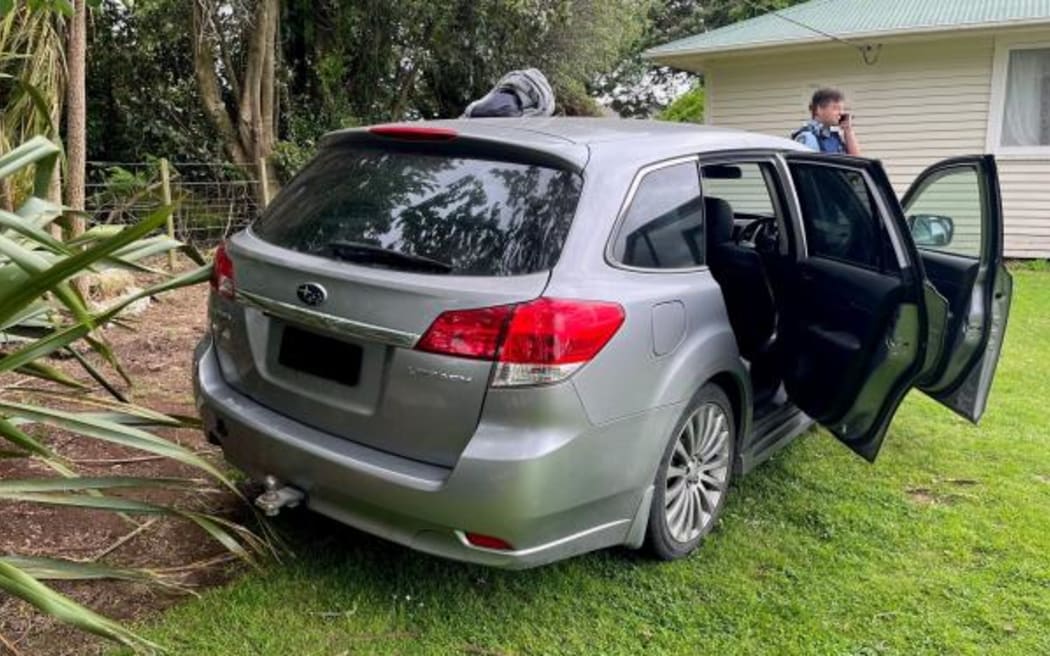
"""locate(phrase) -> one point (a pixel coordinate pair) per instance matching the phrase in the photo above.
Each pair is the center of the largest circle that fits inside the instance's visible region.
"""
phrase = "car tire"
(693, 477)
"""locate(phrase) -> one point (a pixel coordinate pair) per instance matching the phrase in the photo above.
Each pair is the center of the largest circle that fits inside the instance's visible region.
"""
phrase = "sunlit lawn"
(942, 547)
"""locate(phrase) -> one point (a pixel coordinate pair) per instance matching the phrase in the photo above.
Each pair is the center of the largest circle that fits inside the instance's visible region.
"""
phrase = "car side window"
(839, 215)
(744, 185)
(663, 226)
(946, 213)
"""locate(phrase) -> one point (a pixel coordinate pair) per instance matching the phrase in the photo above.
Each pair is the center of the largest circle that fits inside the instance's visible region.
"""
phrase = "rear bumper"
(539, 476)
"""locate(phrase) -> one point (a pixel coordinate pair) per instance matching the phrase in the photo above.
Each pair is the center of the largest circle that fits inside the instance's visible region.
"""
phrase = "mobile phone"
(844, 118)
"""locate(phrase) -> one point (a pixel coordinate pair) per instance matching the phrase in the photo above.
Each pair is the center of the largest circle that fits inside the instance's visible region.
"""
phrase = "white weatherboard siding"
(922, 101)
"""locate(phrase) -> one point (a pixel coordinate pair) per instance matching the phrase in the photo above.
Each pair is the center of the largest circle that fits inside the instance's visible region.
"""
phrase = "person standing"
(827, 111)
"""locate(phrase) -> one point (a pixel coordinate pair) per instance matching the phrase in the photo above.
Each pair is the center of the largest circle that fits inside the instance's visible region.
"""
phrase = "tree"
(141, 90)
(725, 12)
(686, 108)
(32, 63)
(76, 115)
(239, 100)
(635, 87)
(252, 72)
(381, 61)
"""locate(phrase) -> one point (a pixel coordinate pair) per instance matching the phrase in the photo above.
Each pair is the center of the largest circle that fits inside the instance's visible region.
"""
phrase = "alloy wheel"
(698, 472)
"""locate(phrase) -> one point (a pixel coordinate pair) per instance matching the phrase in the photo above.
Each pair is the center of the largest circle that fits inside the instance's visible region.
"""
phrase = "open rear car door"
(852, 329)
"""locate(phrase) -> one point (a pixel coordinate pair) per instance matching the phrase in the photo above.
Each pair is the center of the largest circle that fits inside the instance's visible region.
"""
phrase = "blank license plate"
(320, 356)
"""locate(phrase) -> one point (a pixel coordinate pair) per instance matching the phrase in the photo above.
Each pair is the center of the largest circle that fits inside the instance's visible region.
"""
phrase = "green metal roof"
(856, 19)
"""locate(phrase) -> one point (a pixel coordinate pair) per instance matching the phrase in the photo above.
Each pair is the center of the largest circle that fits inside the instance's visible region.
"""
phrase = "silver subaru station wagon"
(510, 341)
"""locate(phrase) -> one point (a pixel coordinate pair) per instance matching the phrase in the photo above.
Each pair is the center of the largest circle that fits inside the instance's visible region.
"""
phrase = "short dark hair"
(824, 96)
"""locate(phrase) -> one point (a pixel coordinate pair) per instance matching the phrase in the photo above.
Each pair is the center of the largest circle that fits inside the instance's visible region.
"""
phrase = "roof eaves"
(660, 53)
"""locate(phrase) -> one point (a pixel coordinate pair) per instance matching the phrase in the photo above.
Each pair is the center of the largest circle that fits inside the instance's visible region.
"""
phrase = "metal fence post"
(165, 190)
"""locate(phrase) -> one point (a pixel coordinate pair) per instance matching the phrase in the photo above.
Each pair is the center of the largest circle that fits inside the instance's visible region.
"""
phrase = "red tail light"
(543, 341)
(222, 273)
(555, 331)
(468, 333)
(414, 132)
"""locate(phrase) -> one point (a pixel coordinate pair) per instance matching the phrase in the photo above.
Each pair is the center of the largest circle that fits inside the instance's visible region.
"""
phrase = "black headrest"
(718, 215)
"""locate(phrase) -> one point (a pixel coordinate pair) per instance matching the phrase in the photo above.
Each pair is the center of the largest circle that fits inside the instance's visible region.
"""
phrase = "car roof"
(541, 131)
(592, 131)
(585, 142)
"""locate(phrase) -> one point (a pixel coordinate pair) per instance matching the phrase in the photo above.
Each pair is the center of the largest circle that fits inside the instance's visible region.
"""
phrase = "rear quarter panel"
(628, 377)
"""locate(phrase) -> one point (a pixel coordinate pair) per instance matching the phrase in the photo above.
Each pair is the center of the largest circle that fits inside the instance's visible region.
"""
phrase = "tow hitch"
(276, 497)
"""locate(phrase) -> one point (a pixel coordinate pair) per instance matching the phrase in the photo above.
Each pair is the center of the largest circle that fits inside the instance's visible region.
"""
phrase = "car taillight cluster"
(543, 341)
(222, 273)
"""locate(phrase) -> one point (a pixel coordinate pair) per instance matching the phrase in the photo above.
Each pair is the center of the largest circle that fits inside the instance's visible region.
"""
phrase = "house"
(925, 80)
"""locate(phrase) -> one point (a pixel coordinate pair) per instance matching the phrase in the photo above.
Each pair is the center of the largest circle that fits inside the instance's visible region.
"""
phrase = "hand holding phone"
(845, 120)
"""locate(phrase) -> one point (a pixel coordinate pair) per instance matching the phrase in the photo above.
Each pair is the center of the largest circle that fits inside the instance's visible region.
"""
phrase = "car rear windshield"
(425, 213)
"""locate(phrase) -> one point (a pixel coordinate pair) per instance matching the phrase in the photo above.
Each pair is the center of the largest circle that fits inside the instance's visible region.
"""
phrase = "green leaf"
(19, 584)
(66, 336)
(43, 346)
(190, 251)
(212, 527)
(148, 247)
(37, 150)
(119, 412)
(94, 234)
(65, 7)
(40, 212)
(81, 483)
(51, 278)
(37, 267)
(49, 373)
(68, 570)
(187, 421)
(27, 315)
(115, 433)
(134, 506)
(129, 265)
(22, 440)
(97, 375)
(102, 347)
(31, 231)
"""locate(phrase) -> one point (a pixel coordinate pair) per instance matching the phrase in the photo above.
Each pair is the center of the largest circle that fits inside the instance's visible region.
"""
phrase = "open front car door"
(954, 212)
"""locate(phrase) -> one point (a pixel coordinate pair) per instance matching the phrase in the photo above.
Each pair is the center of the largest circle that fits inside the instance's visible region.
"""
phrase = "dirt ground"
(157, 356)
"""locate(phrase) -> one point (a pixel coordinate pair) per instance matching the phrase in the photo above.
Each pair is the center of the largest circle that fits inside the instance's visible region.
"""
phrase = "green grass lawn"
(942, 547)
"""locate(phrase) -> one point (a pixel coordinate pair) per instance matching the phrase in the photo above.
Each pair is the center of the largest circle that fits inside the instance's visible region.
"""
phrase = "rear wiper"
(364, 253)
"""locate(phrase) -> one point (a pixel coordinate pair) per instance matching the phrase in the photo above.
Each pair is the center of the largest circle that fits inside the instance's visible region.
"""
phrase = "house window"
(1026, 111)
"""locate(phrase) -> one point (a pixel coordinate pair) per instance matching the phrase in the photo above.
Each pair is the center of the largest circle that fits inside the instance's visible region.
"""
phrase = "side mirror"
(931, 229)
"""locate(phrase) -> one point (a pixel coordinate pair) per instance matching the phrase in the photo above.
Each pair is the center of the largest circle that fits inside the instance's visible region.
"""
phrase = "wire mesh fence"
(212, 199)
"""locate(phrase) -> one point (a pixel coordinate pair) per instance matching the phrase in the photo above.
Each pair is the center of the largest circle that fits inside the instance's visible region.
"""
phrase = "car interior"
(806, 327)
(742, 249)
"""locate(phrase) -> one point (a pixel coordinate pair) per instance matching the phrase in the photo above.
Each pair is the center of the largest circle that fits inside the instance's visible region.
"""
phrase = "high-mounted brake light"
(222, 273)
(414, 132)
(535, 343)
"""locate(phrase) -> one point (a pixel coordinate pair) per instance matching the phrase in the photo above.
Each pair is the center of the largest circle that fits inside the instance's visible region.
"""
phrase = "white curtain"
(1027, 104)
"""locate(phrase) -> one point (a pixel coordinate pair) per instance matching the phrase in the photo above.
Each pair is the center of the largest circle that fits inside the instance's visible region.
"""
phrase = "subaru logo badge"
(311, 293)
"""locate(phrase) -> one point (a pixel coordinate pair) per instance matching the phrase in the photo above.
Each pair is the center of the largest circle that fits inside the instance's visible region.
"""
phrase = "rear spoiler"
(487, 141)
